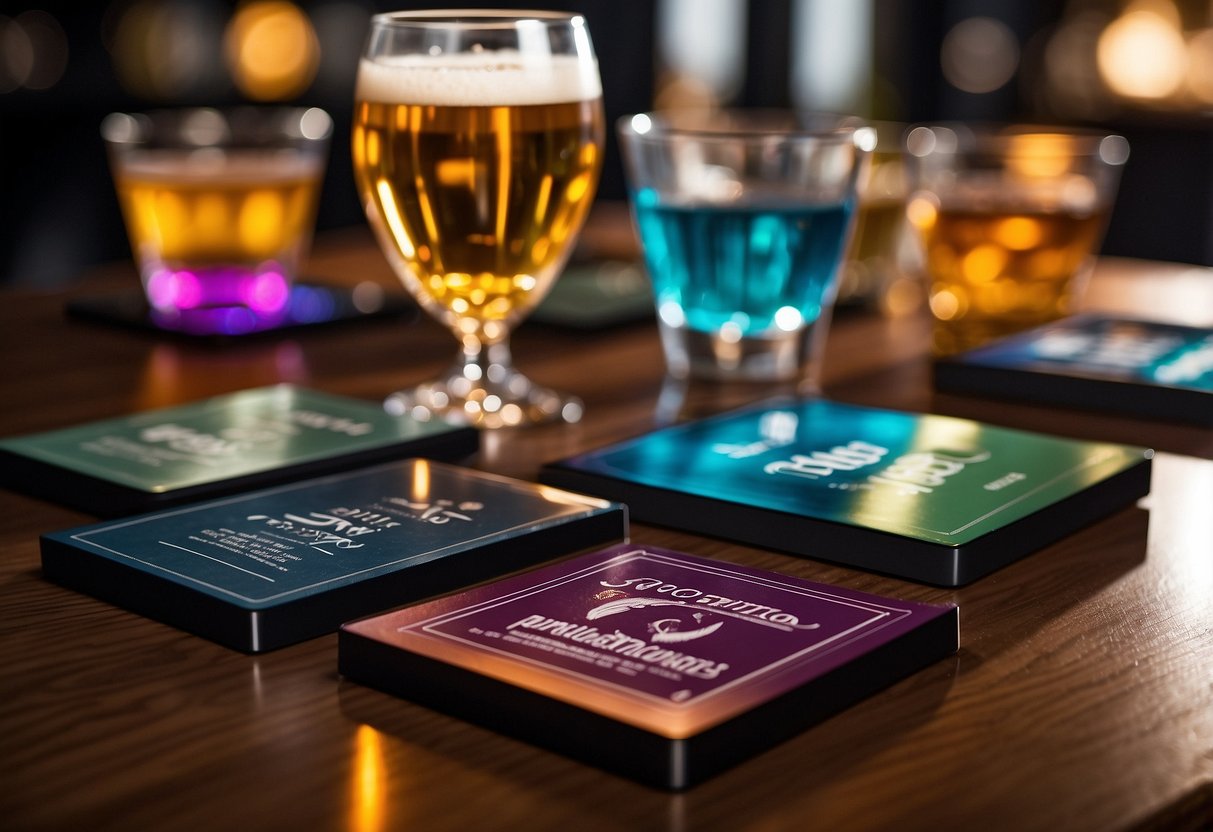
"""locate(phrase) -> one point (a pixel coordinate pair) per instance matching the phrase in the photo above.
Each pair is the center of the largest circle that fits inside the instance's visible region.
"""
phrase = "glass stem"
(485, 364)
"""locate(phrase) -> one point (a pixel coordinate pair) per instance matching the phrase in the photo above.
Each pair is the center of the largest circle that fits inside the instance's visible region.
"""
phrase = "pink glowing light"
(267, 292)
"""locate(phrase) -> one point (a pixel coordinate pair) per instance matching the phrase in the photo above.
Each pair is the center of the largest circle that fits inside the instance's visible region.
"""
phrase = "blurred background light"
(340, 29)
(33, 51)
(700, 52)
(1142, 68)
(16, 55)
(979, 55)
(163, 51)
(1072, 81)
(49, 46)
(832, 61)
(271, 50)
(1200, 66)
(1142, 53)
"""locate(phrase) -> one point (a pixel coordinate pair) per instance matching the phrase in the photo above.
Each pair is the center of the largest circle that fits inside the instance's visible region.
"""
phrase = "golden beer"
(1009, 220)
(994, 272)
(872, 261)
(477, 142)
(227, 208)
(477, 203)
(219, 207)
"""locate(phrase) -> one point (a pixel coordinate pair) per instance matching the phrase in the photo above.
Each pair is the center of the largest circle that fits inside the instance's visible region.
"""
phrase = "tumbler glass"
(744, 219)
(1009, 219)
(219, 207)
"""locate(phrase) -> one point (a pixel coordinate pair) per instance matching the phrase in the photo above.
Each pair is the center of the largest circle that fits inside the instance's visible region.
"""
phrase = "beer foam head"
(478, 79)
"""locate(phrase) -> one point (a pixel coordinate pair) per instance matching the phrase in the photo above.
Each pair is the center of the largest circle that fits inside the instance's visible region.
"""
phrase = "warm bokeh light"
(421, 480)
(979, 55)
(369, 795)
(922, 212)
(16, 55)
(162, 51)
(1072, 83)
(983, 263)
(1018, 233)
(1200, 66)
(272, 50)
(1142, 53)
(1039, 155)
(33, 51)
(945, 305)
(902, 297)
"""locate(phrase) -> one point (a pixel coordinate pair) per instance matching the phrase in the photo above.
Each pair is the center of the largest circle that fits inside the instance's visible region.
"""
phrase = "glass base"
(487, 393)
(780, 356)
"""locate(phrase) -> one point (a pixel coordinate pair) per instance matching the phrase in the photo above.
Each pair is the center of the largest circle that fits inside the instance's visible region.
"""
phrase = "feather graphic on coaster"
(624, 604)
(665, 631)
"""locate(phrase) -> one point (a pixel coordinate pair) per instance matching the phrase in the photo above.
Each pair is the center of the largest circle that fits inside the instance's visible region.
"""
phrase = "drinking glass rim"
(135, 129)
(842, 128)
(471, 19)
(998, 138)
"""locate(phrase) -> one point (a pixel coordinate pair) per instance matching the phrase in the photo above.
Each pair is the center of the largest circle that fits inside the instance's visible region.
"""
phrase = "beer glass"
(477, 145)
(1009, 220)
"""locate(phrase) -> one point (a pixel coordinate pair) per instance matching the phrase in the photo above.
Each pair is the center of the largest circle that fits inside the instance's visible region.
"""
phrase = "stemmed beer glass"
(477, 145)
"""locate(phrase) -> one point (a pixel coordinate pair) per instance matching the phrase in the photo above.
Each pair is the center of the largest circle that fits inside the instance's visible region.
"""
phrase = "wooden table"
(1082, 697)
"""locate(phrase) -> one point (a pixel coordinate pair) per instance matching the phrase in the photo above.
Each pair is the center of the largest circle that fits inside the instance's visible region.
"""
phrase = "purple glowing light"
(169, 290)
(221, 299)
(267, 291)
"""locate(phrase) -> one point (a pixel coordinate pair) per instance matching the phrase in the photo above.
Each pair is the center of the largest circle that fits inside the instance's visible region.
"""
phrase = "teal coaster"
(931, 498)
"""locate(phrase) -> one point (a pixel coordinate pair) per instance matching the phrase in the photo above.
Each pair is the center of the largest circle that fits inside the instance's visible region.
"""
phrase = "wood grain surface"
(1082, 697)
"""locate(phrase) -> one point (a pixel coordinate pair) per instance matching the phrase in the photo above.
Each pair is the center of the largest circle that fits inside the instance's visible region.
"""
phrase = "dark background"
(58, 213)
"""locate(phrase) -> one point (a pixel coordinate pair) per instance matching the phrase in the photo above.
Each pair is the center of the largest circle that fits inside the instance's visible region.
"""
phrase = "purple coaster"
(690, 664)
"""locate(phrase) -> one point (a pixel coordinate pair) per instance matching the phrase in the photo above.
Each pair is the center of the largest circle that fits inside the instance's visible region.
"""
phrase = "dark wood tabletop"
(1081, 698)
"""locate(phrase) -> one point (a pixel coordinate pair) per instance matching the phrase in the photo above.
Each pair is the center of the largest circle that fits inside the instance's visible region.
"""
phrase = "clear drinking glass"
(219, 206)
(873, 262)
(477, 146)
(744, 220)
(1009, 219)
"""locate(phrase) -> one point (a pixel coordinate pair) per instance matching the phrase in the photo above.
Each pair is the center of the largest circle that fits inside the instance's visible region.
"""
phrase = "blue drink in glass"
(756, 270)
(743, 229)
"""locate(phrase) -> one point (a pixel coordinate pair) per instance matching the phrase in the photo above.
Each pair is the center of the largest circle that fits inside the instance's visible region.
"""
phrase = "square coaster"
(221, 445)
(929, 498)
(272, 567)
(658, 665)
(1138, 368)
